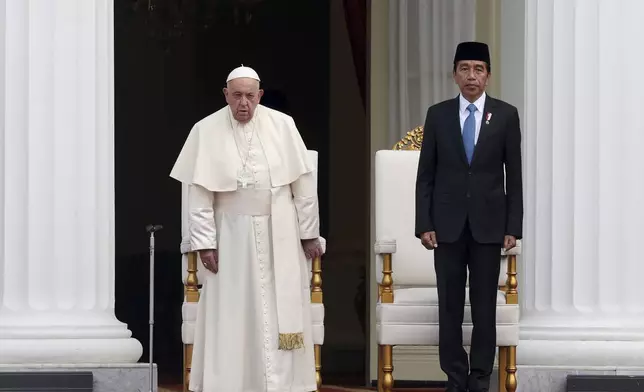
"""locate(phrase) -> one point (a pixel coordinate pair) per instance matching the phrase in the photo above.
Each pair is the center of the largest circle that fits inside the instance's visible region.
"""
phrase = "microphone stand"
(152, 229)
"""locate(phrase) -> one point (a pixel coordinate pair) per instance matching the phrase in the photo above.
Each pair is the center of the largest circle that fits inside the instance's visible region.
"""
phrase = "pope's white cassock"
(253, 331)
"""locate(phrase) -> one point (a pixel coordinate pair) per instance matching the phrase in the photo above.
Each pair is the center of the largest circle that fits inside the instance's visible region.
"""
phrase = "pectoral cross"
(245, 177)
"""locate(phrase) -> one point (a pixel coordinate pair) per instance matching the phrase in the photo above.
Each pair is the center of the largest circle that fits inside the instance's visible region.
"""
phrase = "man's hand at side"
(509, 242)
(429, 240)
(210, 259)
(312, 248)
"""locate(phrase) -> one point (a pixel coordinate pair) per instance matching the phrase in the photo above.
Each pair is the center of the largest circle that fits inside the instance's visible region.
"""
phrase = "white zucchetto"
(242, 72)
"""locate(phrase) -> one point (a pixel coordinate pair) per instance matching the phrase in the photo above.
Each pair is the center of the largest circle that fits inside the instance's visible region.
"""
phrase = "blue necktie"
(469, 133)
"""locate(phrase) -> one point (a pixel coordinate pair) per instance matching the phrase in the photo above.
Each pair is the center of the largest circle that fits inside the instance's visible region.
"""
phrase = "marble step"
(604, 383)
(60, 381)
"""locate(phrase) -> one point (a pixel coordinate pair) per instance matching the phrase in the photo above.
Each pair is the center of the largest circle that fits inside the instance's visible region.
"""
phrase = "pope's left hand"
(312, 248)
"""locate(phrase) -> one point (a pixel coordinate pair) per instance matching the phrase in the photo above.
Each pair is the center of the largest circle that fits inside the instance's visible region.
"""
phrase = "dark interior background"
(171, 62)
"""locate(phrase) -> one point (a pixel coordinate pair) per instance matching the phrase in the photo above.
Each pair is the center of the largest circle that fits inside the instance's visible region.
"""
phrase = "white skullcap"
(242, 72)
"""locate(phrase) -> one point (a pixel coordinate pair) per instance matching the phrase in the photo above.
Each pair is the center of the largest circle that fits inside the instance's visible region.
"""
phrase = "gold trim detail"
(413, 140)
(291, 341)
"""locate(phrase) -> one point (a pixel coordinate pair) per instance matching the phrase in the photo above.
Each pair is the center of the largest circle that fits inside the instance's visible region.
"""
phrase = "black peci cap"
(472, 51)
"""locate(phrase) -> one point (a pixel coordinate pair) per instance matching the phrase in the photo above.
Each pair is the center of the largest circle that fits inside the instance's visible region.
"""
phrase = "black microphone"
(153, 228)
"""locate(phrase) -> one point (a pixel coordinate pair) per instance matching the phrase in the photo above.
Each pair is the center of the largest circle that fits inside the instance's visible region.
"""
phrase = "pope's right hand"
(210, 259)
(429, 240)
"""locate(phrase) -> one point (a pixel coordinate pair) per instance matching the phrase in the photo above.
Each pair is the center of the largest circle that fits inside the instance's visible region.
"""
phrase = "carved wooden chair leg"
(387, 368)
(511, 369)
(503, 361)
(318, 367)
(381, 373)
(187, 366)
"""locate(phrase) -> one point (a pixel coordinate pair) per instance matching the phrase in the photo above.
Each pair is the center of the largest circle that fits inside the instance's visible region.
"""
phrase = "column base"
(51, 337)
(70, 351)
(107, 377)
(581, 354)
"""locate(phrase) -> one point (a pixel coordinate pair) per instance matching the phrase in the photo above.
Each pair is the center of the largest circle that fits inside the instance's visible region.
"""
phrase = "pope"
(254, 219)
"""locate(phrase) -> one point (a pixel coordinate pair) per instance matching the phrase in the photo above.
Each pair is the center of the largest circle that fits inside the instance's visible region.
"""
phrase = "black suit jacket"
(449, 190)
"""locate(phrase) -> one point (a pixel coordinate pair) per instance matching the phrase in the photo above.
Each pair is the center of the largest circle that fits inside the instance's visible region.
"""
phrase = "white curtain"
(423, 35)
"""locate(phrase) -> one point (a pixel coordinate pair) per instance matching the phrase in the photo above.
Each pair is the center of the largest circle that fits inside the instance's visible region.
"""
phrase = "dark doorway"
(171, 62)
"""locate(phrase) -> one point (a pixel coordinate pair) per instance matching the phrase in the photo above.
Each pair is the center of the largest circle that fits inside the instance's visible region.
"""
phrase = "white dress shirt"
(478, 114)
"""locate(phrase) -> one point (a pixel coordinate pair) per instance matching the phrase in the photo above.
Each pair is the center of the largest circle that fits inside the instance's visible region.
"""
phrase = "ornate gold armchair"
(191, 272)
(407, 307)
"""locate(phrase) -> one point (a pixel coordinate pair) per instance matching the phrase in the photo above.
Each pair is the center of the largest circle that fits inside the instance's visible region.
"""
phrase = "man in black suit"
(463, 206)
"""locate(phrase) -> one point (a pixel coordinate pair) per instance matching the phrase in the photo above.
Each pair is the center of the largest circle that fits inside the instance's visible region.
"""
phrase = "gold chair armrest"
(512, 294)
(191, 288)
(385, 248)
(387, 285)
(316, 281)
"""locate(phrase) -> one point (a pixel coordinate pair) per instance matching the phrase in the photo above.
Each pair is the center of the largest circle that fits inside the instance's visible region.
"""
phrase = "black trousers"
(451, 261)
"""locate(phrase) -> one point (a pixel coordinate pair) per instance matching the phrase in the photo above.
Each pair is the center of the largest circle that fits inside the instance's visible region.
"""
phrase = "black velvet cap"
(472, 51)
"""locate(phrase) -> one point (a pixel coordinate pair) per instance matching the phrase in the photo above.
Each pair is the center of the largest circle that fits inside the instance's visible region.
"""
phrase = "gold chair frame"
(191, 292)
(507, 355)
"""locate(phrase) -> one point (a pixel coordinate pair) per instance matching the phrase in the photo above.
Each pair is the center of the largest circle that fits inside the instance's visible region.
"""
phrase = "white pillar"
(582, 289)
(57, 198)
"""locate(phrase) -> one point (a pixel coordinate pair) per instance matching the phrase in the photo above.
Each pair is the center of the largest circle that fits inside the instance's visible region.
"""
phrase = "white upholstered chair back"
(395, 200)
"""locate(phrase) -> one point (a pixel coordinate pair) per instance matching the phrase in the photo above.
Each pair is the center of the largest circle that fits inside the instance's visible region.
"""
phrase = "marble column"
(582, 288)
(57, 198)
